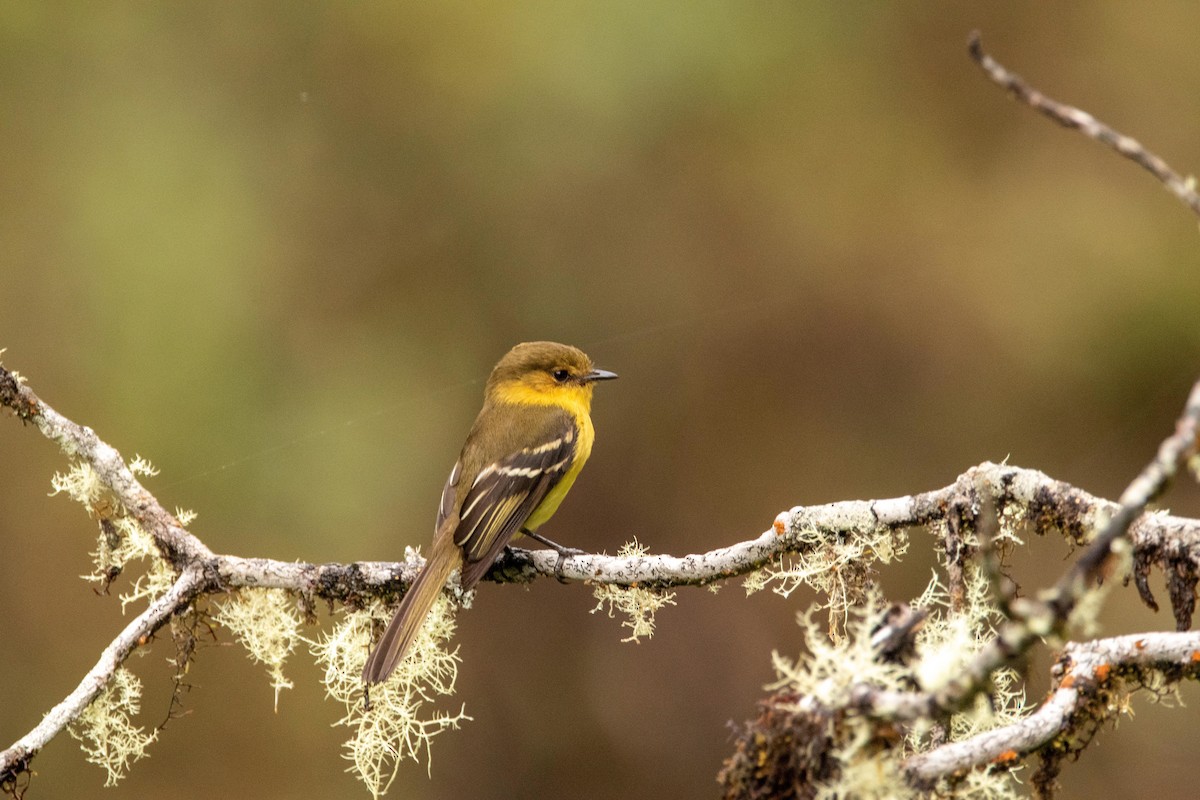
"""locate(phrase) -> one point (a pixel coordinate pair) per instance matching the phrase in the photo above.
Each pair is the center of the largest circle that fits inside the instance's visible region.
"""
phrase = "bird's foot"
(563, 552)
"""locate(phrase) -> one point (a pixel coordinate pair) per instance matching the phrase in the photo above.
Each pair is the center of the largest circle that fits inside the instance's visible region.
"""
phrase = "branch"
(178, 546)
(1087, 672)
(1047, 500)
(1049, 615)
(1042, 502)
(16, 759)
(1048, 503)
(1084, 670)
(1070, 117)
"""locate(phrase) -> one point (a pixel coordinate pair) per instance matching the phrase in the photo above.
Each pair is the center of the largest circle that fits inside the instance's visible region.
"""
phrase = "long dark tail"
(414, 608)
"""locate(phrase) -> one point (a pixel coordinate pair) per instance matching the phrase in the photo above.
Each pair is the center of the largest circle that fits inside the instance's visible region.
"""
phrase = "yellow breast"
(554, 498)
(575, 400)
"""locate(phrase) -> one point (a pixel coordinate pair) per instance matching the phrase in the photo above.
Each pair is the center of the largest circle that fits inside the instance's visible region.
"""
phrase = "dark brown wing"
(507, 490)
(446, 507)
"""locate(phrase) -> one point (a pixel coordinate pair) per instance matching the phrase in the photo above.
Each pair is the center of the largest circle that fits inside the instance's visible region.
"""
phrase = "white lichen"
(834, 565)
(398, 725)
(637, 604)
(122, 543)
(951, 636)
(105, 731)
(833, 668)
(80, 483)
(828, 675)
(864, 771)
(141, 466)
(267, 624)
(122, 540)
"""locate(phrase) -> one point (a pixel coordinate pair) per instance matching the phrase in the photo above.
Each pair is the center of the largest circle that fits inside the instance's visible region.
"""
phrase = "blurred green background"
(276, 247)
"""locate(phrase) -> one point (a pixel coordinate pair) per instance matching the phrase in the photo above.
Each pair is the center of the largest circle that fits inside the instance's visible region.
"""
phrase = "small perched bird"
(524, 451)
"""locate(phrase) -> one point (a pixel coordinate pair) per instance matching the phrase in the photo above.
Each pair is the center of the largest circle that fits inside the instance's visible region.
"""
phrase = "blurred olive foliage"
(275, 248)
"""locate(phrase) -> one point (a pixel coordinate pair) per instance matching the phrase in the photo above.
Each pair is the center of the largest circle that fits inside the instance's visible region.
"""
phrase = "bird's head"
(545, 373)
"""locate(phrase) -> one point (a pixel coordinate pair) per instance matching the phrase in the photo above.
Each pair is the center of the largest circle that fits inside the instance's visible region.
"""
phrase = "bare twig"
(1070, 117)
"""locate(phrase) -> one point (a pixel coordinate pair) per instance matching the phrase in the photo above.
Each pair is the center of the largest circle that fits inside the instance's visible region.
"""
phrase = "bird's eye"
(561, 375)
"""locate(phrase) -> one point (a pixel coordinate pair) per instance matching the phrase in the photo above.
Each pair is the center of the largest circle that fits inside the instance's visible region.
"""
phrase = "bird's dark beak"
(598, 375)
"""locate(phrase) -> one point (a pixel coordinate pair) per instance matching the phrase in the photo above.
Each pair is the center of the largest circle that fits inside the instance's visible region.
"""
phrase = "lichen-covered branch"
(910, 700)
(1047, 503)
(955, 714)
(878, 705)
(16, 758)
(1091, 679)
(81, 443)
(1049, 614)
(1029, 495)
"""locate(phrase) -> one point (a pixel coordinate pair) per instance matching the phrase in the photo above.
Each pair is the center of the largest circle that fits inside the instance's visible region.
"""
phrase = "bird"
(521, 457)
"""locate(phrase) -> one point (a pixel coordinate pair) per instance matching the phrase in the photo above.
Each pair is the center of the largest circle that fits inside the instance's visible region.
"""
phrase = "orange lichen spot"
(1103, 671)
(1007, 758)
(1067, 682)
(780, 527)
(1140, 644)
(1195, 657)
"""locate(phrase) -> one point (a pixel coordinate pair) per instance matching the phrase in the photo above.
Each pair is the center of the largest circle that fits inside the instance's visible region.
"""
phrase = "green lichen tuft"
(81, 484)
(835, 565)
(105, 731)
(637, 604)
(123, 542)
(141, 466)
(267, 624)
(398, 725)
